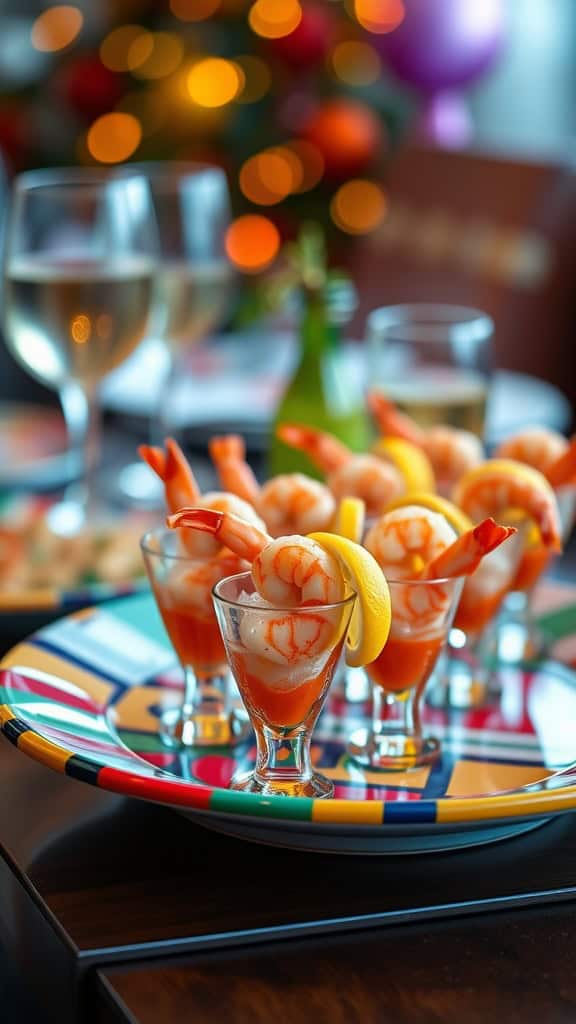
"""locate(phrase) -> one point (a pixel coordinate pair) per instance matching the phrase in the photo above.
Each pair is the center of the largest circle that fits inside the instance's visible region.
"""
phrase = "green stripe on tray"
(234, 802)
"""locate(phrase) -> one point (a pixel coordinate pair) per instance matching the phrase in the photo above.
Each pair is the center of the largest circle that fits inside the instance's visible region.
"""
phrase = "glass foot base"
(202, 729)
(392, 753)
(317, 786)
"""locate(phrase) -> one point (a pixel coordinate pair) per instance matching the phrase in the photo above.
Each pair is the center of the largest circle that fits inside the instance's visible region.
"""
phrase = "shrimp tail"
(563, 470)
(155, 458)
(228, 453)
(241, 537)
(464, 556)
(391, 422)
(324, 450)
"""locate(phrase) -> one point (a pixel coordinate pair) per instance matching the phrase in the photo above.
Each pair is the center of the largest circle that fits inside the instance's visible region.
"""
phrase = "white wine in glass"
(194, 284)
(79, 262)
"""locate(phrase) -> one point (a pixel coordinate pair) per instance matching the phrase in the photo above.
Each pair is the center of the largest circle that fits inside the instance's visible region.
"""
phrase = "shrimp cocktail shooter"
(425, 562)
(284, 624)
(183, 567)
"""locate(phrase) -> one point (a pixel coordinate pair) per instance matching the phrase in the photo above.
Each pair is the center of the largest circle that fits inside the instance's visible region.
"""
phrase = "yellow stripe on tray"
(350, 812)
(27, 656)
(513, 805)
(43, 750)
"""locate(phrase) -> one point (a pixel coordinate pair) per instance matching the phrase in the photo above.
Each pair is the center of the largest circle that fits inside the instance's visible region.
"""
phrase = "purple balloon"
(443, 44)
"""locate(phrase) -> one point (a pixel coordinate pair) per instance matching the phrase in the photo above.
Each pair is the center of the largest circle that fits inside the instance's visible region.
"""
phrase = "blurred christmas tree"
(286, 95)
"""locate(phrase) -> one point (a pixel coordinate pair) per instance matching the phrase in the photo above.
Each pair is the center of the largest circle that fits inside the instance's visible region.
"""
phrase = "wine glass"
(194, 283)
(433, 361)
(79, 260)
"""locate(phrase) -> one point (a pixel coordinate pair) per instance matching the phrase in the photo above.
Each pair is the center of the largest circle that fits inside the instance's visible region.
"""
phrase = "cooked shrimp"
(288, 572)
(503, 484)
(451, 451)
(181, 489)
(367, 477)
(545, 450)
(463, 557)
(407, 539)
(191, 584)
(288, 503)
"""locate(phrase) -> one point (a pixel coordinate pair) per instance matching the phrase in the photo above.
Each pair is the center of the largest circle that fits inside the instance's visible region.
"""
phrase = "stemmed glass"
(283, 699)
(79, 260)
(194, 283)
(394, 740)
(182, 588)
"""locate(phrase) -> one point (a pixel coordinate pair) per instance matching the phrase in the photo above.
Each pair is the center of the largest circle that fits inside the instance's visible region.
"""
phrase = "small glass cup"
(182, 586)
(433, 361)
(283, 660)
(464, 678)
(422, 613)
(516, 636)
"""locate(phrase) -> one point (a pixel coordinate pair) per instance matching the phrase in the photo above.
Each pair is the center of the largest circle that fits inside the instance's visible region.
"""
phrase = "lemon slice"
(349, 519)
(517, 488)
(411, 462)
(435, 503)
(372, 614)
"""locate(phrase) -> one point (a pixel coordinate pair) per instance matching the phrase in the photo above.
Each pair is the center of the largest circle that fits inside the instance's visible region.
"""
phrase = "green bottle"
(323, 393)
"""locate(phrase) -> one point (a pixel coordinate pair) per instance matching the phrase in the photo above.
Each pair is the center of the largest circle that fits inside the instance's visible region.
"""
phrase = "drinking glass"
(193, 287)
(464, 678)
(394, 740)
(182, 587)
(283, 696)
(79, 259)
(433, 361)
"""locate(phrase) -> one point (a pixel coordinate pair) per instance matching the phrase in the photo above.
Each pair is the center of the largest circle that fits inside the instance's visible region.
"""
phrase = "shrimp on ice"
(500, 485)
(181, 488)
(288, 503)
(288, 573)
(452, 452)
(367, 477)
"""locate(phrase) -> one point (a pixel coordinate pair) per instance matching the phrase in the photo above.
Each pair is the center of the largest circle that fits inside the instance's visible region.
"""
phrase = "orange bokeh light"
(275, 18)
(356, 63)
(56, 28)
(268, 177)
(380, 16)
(311, 163)
(252, 242)
(165, 55)
(194, 10)
(116, 48)
(214, 82)
(114, 137)
(358, 207)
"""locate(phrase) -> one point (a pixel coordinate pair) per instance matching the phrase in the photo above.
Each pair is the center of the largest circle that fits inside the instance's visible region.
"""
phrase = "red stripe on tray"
(166, 791)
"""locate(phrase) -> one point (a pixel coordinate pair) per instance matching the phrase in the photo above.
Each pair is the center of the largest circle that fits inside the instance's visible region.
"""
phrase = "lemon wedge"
(411, 462)
(372, 614)
(349, 519)
(435, 503)
(497, 486)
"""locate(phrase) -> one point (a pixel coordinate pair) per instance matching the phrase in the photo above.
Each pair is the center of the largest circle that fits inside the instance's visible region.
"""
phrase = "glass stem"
(282, 755)
(82, 415)
(396, 713)
(161, 424)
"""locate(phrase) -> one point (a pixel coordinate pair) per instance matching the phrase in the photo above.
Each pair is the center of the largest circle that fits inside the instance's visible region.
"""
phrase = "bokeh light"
(214, 82)
(356, 63)
(56, 28)
(380, 16)
(114, 137)
(358, 207)
(252, 243)
(115, 48)
(257, 78)
(311, 163)
(275, 18)
(268, 177)
(140, 50)
(80, 328)
(194, 10)
(166, 53)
